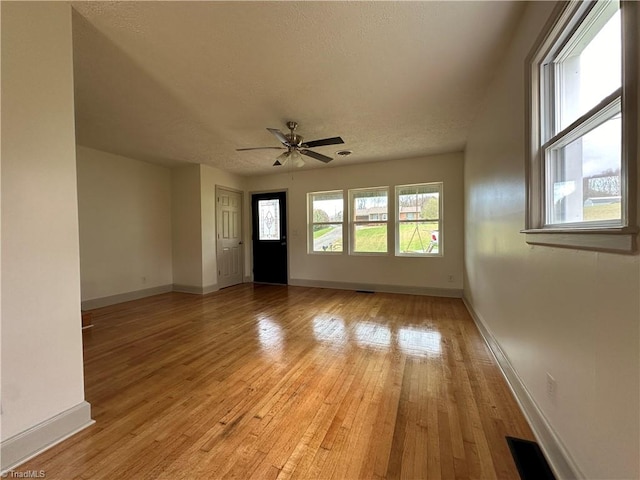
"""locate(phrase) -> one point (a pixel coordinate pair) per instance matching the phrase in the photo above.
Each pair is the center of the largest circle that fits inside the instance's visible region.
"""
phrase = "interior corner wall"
(384, 272)
(194, 225)
(572, 314)
(210, 177)
(125, 225)
(186, 228)
(42, 371)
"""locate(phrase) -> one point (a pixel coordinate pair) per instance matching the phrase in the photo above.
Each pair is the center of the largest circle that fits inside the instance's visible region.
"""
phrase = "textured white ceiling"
(171, 82)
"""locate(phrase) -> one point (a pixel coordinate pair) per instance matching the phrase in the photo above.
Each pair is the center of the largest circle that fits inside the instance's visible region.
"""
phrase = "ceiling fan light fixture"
(296, 158)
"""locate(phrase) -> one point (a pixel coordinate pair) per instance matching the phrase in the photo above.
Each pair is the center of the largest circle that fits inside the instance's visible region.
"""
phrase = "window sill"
(616, 240)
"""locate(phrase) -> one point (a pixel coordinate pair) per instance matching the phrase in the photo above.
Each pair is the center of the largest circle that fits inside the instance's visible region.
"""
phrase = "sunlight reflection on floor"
(413, 340)
(329, 329)
(374, 335)
(419, 341)
(271, 337)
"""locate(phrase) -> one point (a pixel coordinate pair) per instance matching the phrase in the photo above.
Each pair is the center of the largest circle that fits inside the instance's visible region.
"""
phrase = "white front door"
(229, 237)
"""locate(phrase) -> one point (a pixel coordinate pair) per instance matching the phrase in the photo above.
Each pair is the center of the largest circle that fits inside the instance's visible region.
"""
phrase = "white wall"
(42, 373)
(186, 226)
(194, 225)
(421, 273)
(124, 208)
(144, 226)
(574, 314)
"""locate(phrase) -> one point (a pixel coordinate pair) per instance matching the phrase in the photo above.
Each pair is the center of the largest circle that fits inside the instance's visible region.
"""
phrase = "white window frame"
(311, 224)
(601, 236)
(353, 223)
(398, 222)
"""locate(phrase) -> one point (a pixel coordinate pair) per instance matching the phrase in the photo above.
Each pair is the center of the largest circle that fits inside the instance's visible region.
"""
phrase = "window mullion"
(589, 120)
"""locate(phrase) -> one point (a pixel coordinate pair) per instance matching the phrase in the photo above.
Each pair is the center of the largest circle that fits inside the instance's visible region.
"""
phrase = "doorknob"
(240, 242)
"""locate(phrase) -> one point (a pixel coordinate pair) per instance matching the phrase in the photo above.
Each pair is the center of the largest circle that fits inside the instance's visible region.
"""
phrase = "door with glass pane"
(269, 217)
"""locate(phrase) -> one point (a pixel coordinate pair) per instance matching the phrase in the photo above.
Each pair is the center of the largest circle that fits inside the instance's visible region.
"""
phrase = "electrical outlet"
(451, 278)
(144, 280)
(552, 387)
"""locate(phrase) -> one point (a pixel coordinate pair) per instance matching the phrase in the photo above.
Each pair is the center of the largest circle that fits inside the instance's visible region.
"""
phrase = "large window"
(325, 222)
(418, 219)
(369, 216)
(580, 125)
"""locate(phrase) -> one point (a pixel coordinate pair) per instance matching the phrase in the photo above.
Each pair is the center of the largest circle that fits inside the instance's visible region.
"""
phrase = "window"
(368, 220)
(269, 219)
(325, 221)
(580, 193)
(418, 219)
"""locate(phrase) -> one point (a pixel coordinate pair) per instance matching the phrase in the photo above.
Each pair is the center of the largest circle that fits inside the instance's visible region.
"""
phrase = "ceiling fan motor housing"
(294, 138)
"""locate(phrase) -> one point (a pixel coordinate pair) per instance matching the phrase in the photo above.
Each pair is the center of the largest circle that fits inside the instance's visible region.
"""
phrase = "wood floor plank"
(263, 381)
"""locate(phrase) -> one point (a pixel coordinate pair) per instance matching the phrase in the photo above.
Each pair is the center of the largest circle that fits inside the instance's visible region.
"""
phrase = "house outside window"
(582, 127)
(368, 220)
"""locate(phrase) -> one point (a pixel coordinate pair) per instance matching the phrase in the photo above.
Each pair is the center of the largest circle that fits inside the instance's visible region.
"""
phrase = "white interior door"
(229, 237)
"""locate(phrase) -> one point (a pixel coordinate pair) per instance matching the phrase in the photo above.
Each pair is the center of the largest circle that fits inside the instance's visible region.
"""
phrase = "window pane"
(584, 177)
(327, 237)
(327, 207)
(371, 237)
(269, 219)
(590, 66)
(369, 205)
(419, 202)
(419, 237)
(326, 221)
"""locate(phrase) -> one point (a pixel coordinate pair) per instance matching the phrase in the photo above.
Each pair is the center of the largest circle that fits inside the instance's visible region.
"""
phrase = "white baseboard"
(124, 297)
(22, 447)
(195, 289)
(370, 287)
(147, 292)
(560, 461)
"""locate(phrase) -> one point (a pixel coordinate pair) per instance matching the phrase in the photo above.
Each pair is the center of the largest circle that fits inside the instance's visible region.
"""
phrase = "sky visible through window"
(332, 207)
(600, 75)
(586, 72)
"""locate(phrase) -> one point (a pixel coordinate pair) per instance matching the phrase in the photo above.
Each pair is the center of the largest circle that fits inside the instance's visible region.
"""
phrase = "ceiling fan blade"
(282, 159)
(323, 142)
(316, 155)
(259, 148)
(280, 136)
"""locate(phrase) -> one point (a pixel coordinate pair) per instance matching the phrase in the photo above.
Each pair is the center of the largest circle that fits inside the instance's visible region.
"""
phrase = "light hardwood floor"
(263, 382)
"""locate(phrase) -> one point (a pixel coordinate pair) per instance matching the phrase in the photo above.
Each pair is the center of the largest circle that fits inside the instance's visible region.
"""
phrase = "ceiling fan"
(295, 147)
